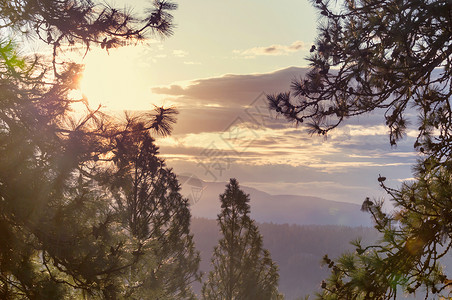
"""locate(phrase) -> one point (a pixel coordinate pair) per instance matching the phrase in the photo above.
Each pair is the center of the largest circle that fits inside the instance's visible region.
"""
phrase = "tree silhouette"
(146, 196)
(242, 268)
(75, 22)
(395, 55)
(416, 236)
(87, 209)
(376, 55)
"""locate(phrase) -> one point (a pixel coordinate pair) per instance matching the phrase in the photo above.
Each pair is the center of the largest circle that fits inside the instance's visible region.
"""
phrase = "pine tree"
(157, 217)
(87, 209)
(75, 23)
(242, 268)
(415, 237)
(371, 55)
(387, 56)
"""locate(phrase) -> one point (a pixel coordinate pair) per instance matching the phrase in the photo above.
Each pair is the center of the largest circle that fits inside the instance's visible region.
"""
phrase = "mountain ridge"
(278, 209)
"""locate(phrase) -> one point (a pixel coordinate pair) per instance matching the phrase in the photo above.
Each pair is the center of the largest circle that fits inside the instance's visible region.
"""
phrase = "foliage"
(242, 268)
(68, 23)
(417, 235)
(87, 209)
(373, 55)
(392, 56)
(147, 200)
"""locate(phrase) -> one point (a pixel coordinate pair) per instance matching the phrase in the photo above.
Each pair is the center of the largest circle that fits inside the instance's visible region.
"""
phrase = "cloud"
(232, 89)
(214, 111)
(274, 50)
(211, 104)
(280, 179)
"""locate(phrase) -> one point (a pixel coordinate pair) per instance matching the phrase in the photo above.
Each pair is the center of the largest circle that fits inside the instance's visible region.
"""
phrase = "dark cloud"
(271, 50)
(211, 104)
(296, 46)
(280, 158)
(232, 90)
(204, 119)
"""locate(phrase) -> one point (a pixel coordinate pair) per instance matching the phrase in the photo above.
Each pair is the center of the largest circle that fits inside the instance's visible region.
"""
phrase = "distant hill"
(297, 250)
(297, 230)
(280, 209)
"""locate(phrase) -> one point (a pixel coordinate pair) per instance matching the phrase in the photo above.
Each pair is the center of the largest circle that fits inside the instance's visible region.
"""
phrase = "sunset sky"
(216, 68)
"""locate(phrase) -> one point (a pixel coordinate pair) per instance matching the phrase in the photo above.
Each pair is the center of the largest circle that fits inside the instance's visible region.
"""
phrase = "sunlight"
(117, 80)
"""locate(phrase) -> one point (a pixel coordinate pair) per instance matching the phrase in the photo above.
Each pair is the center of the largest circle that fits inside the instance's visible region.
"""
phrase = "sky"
(216, 69)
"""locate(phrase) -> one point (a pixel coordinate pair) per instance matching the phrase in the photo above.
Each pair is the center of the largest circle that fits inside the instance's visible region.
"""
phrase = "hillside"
(296, 249)
(279, 209)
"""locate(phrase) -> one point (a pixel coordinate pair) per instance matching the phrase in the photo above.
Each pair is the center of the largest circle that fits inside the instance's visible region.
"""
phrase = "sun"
(116, 80)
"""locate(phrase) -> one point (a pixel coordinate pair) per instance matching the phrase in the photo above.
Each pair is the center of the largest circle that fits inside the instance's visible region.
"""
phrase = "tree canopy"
(87, 209)
(67, 23)
(371, 55)
(416, 240)
(395, 57)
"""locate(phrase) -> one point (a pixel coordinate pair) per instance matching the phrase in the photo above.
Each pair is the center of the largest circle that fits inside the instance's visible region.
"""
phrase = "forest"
(296, 249)
(90, 207)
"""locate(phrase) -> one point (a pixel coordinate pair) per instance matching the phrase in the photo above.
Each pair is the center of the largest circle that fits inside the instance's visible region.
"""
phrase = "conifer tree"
(389, 56)
(87, 209)
(156, 216)
(416, 235)
(370, 55)
(243, 269)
